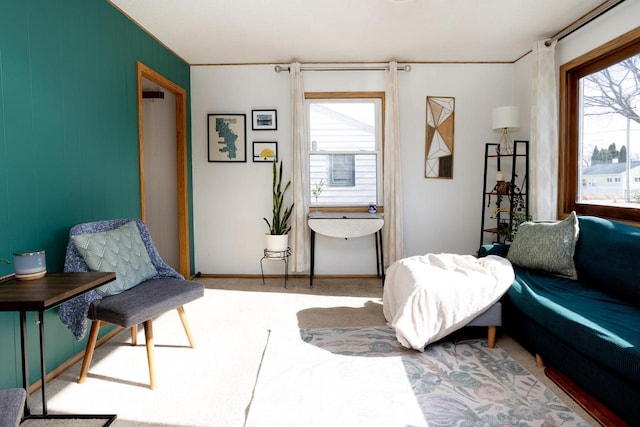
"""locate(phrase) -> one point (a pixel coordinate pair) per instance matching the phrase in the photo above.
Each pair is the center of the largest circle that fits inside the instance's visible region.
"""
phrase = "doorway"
(163, 167)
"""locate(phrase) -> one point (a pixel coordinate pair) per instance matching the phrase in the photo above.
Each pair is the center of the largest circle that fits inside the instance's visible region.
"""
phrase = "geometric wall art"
(439, 137)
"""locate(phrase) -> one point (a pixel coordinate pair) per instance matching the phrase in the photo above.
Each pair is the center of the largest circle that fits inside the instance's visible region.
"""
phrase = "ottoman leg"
(491, 338)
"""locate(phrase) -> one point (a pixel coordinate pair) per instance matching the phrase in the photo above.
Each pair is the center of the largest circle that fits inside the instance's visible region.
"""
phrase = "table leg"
(43, 369)
(313, 247)
(381, 256)
(25, 360)
(375, 237)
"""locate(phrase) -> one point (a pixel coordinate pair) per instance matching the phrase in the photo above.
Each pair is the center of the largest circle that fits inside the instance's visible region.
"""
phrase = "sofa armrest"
(499, 249)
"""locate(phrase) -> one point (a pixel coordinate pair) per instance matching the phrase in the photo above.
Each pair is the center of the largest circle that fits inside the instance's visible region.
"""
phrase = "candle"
(500, 176)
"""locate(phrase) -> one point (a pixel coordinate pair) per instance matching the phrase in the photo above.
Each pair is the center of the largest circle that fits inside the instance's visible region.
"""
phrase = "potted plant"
(278, 238)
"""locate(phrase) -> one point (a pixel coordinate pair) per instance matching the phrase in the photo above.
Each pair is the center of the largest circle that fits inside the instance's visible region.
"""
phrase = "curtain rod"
(585, 19)
(279, 68)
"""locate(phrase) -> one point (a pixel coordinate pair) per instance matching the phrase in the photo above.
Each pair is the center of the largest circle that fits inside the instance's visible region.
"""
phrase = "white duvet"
(427, 297)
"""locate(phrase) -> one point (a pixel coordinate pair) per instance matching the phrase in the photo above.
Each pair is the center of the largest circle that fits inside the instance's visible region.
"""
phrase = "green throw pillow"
(547, 246)
(120, 250)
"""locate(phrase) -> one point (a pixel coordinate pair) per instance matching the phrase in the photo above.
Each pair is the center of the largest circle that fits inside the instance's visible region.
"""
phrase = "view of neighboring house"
(344, 153)
(612, 181)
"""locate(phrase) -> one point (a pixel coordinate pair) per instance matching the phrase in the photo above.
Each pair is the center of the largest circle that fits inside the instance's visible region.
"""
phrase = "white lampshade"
(507, 117)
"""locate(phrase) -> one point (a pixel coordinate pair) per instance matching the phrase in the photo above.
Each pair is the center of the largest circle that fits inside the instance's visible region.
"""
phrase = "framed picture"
(439, 137)
(264, 120)
(265, 151)
(227, 135)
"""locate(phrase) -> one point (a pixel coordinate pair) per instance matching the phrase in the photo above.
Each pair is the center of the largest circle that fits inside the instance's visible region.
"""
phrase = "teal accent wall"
(68, 139)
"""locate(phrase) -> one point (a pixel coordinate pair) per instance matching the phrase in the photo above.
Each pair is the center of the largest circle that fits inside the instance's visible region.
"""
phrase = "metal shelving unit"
(500, 217)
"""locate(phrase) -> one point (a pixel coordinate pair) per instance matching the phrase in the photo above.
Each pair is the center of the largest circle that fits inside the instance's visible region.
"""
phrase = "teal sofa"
(589, 328)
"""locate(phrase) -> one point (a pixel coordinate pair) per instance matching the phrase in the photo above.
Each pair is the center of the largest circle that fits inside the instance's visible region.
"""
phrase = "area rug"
(364, 377)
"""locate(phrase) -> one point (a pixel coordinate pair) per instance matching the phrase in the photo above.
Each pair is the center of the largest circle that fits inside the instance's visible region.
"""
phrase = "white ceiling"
(278, 31)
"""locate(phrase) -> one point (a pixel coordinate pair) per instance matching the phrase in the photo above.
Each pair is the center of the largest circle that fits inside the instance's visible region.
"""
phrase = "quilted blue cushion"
(120, 250)
(592, 322)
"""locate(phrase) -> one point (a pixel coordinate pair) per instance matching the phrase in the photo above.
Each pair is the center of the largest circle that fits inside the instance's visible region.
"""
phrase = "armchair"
(106, 247)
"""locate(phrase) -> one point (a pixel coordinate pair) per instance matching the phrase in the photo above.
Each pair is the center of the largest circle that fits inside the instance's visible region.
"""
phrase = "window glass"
(610, 135)
(345, 153)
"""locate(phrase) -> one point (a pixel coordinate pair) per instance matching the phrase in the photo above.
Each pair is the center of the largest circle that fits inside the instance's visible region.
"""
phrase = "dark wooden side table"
(40, 295)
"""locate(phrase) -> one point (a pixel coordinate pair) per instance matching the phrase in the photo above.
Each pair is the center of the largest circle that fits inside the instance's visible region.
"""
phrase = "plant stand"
(281, 255)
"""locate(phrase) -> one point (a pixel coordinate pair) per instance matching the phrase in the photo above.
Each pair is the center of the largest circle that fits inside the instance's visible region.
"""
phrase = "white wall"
(441, 215)
(617, 21)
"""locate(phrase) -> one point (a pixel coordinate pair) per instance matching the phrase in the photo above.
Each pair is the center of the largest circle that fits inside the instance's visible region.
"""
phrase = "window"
(342, 171)
(345, 156)
(600, 131)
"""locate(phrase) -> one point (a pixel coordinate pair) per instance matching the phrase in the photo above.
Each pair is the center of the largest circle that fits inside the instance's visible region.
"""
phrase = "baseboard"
(63, 367)
(597, 410)
(291, 275)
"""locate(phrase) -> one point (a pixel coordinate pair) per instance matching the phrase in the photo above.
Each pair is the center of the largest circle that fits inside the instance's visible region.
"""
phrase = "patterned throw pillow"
(547, 246)
(120, 250)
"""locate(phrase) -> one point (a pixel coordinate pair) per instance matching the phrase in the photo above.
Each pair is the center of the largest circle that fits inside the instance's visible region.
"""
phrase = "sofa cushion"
(120, 250)
(607, 257)
(546, 246)
(145, 301)
(596, 324)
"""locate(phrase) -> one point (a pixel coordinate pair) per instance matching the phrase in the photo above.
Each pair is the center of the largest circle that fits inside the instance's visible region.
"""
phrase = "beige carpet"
(213, 384)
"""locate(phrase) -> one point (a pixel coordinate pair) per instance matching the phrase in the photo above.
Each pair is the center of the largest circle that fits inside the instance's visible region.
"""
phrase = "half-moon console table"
(346, 225)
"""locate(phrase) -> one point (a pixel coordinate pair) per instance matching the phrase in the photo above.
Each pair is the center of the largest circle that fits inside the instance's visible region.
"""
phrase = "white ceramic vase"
(276, 242)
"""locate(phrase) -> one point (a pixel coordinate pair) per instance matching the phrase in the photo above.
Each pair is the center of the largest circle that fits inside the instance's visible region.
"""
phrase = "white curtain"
(544, 134)
(393, 241)
(300, 259)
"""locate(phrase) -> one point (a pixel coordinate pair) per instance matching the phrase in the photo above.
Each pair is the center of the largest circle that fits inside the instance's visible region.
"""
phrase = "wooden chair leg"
(185, 324)
(88, 353)
(491, 338)
(134, 335)
(148, 335)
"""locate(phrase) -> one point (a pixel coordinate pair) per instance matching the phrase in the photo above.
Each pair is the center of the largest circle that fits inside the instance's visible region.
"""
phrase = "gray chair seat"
(12, 406)
(145, 301)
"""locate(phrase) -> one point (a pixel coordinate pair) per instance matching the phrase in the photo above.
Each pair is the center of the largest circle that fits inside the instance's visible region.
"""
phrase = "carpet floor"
(364, 377)
(213, 385)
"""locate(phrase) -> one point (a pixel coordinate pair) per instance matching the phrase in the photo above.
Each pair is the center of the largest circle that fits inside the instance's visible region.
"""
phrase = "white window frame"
(378, 99)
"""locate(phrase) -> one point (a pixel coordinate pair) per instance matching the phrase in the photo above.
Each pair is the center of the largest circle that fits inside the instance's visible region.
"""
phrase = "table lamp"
(505, 119)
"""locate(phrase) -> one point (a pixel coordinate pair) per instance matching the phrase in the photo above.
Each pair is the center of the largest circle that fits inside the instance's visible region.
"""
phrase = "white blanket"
(427, 297)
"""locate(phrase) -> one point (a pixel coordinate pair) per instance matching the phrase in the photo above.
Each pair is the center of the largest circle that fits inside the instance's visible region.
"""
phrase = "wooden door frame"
(143, 71)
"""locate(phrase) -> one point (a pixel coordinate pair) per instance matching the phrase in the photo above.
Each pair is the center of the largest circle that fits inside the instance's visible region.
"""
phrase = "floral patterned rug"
(364, 377)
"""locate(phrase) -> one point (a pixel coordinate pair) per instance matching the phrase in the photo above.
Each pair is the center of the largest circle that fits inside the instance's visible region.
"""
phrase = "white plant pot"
(276, 242)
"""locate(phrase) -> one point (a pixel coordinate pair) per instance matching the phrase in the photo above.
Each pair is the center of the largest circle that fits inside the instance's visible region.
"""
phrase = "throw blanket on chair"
(427, 297)
(73, 313)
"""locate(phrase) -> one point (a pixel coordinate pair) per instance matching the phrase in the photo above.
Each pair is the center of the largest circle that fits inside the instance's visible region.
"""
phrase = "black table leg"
(313, 247)
(375, 237)
(381, 255)
(43, 369)
(25, 360)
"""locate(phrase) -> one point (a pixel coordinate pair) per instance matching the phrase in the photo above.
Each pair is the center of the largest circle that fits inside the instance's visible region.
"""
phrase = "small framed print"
(265, 151)
(264, 120)
(227, 135)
